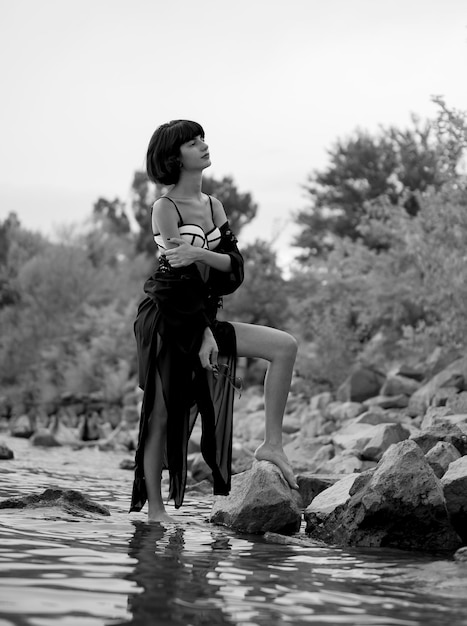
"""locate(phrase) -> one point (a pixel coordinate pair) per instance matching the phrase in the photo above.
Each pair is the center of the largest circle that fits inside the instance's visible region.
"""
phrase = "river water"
(67, 570)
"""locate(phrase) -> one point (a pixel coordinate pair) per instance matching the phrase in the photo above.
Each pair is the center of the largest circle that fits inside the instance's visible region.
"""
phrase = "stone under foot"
(277, 456)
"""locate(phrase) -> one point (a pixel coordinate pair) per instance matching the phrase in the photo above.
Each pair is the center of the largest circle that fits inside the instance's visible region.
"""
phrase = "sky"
(273, 82)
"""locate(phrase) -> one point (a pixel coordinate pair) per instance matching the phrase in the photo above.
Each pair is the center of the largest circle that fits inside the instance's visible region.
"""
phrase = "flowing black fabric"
(169, 327)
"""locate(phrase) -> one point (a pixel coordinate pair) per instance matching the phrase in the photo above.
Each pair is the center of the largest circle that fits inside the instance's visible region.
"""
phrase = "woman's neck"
(188, 186)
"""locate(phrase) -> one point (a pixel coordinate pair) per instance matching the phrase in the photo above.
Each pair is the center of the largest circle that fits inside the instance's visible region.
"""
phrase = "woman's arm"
(184, 254)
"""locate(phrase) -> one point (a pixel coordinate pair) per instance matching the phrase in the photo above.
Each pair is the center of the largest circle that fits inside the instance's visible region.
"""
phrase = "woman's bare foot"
(276, 455)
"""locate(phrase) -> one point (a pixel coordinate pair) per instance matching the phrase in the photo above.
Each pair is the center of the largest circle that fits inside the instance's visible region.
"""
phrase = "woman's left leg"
(280, 349)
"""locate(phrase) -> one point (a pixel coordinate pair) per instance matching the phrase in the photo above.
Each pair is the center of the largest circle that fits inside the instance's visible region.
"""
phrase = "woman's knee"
(289, 345)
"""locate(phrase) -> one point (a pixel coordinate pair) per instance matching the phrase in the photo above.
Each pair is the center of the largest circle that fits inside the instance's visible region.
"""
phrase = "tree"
(394, 163)
(262, 298)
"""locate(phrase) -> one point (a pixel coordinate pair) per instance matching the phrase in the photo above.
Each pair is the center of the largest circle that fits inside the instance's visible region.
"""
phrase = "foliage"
(262, 298)
(393, 163)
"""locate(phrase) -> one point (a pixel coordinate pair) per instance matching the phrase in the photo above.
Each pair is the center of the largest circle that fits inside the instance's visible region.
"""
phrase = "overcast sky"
(273, 82)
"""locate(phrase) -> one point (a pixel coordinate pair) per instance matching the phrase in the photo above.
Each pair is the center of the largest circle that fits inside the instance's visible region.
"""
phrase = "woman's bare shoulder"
(218, 211)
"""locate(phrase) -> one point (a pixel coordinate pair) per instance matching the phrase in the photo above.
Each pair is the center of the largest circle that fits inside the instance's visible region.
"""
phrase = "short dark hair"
(163, 155)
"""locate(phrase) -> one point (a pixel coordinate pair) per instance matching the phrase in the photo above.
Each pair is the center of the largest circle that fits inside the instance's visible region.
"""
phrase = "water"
(59, 569)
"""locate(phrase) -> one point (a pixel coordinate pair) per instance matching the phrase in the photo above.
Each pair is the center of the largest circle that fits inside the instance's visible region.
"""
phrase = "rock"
(345, 463)
(461, 555)
(320, 401)
(354, 436)
(327, 501)
(301, 451)
(200, 470)
(454, 374)
(344, 411)
(203, 488)
(454, 484)
(375, 416)
(5, 452)
(388, 402)
(458, 403)
(45, 439)
(400, 504)
(22, 427)
(260, 501)
(284, 540)
(433, 415)
(242, 458)
(361, 384)
(440, 456)
(442, 432)
(312, 424)
(69, 500)
(127, 464)
(385, 435)
(406, 371)
(310, 485)
(396, 385)
(443, 395)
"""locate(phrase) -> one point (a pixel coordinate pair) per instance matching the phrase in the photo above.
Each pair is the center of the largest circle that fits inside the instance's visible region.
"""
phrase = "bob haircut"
(163, 155)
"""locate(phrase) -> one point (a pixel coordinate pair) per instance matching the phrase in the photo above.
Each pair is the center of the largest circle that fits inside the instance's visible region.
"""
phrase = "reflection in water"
(175, 587)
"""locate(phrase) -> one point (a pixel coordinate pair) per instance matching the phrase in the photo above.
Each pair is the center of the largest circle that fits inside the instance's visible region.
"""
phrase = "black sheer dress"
(169, 327)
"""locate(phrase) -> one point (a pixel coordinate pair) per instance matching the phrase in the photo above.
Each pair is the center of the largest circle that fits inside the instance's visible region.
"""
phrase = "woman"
(187, 358)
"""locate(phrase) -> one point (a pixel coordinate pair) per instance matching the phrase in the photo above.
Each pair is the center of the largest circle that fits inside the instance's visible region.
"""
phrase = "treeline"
(380, 276)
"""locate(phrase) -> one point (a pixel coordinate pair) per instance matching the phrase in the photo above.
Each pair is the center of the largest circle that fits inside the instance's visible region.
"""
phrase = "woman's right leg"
(154, 457)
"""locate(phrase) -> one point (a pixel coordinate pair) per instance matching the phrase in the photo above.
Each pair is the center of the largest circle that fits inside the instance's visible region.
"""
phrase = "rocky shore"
(382, 462)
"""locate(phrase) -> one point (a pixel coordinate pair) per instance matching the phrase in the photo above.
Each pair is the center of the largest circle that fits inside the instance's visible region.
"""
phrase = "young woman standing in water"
(186, 357)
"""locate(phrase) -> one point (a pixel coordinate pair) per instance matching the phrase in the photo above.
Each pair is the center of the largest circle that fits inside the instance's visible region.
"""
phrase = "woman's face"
(194, 154)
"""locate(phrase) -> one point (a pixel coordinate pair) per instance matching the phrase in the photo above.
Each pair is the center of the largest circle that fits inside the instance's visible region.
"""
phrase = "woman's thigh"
(262, 341)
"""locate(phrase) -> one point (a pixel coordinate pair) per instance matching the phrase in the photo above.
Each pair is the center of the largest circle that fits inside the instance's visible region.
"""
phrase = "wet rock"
(5, 452)
(310, 485)
(444, 431)
(461, 555)
(396, 385)
(127, 464)
(69, 500)
(454, 375)
(260, 501)
(361, 384)
(385, 435)
(440, 456)
(400, 504)
(22, 426)
(285, 540)
(45, 439)
(327, 501)
(454, 484)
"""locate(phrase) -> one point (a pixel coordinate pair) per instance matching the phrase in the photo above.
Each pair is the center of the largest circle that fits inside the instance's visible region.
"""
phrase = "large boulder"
(22, 426)
(361, 384)
(5, 452)
(396, 385)
(310, 485)
(67, 500)
(385, 436)
(454, 484)
(454, 375)
(399, 504)
(443, 431)
(45, 439)
(260, 501)
(327, 501)
(440, 456)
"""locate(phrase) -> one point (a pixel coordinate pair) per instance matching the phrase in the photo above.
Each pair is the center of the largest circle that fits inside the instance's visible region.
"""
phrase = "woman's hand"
(208, 351)
(184, 254)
